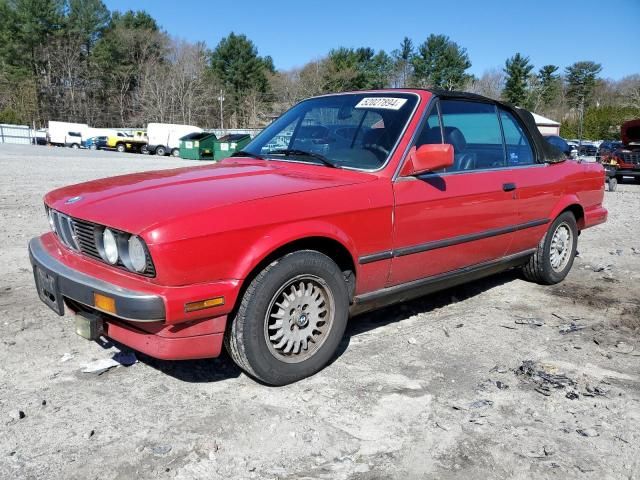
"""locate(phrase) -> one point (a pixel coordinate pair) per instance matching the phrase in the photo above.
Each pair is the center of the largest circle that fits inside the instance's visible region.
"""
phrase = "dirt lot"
(476, 382)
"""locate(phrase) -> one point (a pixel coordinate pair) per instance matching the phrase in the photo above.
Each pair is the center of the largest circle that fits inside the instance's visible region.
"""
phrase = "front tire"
(161, 151)
(291, 319)
(121, 148)
(554, 256)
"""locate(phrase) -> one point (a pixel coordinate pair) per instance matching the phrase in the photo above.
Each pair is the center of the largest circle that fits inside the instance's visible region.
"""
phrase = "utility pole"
(221, 99)
(580, 130)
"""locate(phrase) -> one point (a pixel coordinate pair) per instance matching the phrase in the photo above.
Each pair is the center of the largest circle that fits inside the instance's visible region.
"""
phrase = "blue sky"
(293, 32)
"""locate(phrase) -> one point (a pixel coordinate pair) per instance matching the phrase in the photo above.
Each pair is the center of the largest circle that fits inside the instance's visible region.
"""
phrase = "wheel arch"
(570, 204)
(334, 248)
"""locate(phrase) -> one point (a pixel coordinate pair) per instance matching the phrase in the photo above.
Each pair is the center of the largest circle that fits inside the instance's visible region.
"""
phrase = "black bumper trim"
(130, 305)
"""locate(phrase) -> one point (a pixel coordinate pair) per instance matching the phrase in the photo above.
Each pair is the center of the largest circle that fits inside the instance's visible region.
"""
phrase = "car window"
(349, 130)
(519, 150)
(431, 132)
(474, 131)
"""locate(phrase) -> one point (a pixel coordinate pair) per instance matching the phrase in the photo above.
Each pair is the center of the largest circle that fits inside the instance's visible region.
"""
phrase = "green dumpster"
(224, 147)
(197, 146)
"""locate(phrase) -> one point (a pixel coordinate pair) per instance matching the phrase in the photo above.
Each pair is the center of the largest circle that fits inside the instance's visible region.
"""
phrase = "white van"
(164, 138)
(66, 133)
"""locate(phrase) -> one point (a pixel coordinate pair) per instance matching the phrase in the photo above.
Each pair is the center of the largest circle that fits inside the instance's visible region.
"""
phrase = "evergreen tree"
(517, 69)
(402, 60)
(236, 63)
(440, 63)
(549, 84)
(581, 80)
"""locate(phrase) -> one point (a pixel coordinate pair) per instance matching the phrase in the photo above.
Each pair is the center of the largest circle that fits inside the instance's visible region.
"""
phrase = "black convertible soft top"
(544, 151)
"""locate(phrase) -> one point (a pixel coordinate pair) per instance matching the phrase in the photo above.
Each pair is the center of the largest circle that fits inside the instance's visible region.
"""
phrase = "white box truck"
(67, 134)
(164, 138)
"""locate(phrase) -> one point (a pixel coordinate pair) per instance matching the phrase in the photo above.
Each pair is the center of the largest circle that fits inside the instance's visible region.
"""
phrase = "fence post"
(1, 134)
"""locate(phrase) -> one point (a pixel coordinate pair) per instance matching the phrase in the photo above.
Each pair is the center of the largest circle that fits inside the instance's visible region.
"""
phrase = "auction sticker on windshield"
(381, 102)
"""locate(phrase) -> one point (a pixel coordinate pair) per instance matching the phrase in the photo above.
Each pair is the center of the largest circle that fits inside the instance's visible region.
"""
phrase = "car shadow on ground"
(223, 368)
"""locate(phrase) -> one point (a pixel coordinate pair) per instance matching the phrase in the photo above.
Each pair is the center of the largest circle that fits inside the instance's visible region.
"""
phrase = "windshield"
(348, 130)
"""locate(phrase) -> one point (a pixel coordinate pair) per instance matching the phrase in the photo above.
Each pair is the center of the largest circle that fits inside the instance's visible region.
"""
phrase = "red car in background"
(345, 203)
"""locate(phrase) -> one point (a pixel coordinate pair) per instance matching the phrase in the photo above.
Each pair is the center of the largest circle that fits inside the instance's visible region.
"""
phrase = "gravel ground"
(475, 382)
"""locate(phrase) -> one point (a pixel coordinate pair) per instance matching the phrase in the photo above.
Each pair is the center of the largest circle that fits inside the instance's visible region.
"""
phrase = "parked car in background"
(562, 145)
(95, 143)
(39, 137)
(377, 197)
(73, 140)
(164, 138)
(607, 147)
(587, 150)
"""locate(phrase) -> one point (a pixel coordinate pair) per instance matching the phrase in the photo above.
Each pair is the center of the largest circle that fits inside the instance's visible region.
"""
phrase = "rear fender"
(569, 202)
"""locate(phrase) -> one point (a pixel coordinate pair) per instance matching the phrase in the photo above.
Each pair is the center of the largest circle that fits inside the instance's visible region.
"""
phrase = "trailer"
(164, 138)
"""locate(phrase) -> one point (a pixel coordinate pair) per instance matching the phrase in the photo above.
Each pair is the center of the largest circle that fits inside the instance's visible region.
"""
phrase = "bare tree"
(490, 84)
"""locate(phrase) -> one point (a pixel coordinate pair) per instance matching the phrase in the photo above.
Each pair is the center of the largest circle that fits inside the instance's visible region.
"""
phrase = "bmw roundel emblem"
(73, 199)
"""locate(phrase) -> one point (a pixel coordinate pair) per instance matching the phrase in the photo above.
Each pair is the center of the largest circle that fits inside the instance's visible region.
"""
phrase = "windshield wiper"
(244, 153)
(302, 153)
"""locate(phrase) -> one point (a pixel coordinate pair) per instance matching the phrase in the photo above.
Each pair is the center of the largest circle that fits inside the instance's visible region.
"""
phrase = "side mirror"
(428, 158)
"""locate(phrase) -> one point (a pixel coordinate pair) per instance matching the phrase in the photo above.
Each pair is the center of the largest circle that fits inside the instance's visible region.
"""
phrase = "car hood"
(140, 201)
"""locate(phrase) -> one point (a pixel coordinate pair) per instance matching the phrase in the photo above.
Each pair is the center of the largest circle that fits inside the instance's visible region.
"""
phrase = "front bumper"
(627, 172)
(74, 285)
(154, 323)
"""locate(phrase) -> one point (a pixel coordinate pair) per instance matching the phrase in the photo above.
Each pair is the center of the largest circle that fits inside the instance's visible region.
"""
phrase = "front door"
(460, 216)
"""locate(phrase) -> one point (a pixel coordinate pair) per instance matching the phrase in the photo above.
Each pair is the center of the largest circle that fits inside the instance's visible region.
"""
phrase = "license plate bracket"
(48, 289)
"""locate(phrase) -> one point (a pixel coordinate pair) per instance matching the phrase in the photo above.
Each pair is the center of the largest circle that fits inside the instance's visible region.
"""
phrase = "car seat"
(462, 159)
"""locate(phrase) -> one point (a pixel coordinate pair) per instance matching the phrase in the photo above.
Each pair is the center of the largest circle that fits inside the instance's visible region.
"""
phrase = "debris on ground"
(66, 357)
(124, 358)
(16, 415)
(481, 403)
(570, 327)
(587, 432)
(532, 322)
(544, 377)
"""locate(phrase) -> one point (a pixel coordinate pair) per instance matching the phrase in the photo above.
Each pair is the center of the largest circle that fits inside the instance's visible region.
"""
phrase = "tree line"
(75, 60)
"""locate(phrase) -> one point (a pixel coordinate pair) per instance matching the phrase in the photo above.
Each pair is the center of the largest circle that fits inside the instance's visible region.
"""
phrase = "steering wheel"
(375, 148)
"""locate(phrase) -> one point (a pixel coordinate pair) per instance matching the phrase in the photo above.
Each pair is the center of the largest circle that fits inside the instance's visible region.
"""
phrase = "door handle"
(508, 187)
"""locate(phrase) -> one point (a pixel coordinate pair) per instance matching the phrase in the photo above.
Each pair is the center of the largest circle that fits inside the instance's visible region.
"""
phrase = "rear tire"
(175, 152)
(554, 256)
(612, 184)
(161, 151)
(291, 319)
(121, 148)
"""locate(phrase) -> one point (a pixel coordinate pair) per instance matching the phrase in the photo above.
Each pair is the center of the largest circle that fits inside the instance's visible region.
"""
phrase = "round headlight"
(110, 246)
(52, 223)
(137, 254)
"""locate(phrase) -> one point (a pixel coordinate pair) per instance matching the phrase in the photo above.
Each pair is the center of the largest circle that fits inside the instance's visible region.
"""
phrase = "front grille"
(86, 235)
(630, 157)
(82, 236)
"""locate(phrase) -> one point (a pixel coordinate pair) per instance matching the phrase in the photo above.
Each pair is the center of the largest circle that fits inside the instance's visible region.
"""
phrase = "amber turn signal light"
(202, 304)
(104, 303)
